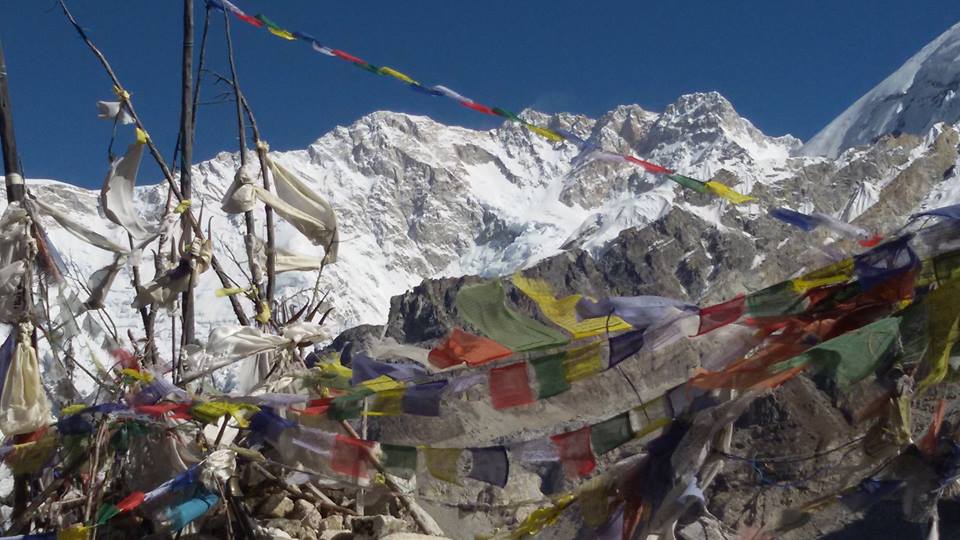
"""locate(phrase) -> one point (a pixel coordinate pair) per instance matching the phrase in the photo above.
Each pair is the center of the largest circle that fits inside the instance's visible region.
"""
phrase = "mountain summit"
(911, 100)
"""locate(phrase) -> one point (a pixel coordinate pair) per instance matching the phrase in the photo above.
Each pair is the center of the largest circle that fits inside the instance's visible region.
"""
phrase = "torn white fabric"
(101, 281)
(240, 196)
(230, 344)
(91, 237)
(164, 289)
(108, 110)
(535, 451)
(390, 348)
(12, 308)
(116, 196)
(24, 407)
(217, 468)
(322, 229)
(14, 234)
(840, 227)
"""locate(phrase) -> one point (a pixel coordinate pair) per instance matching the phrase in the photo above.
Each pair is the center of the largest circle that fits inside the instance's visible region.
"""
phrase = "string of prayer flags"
(552, 135)
(483, 305)
(465, 348)
(563, 311)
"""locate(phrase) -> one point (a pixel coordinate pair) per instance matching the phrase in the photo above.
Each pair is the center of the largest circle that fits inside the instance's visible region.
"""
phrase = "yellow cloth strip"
(545, 133)
(943, 315)
(396, 75)
(182, 206)
(836, 273)
(281, 33)
(382, 384)
(142, 376)
(387, 403)
(727, 193)
(142, 136)
(562, 311)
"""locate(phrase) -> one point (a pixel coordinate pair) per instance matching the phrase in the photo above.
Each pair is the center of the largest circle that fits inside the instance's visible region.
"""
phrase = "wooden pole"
(13, 176)
(16, 190)
(186, 157)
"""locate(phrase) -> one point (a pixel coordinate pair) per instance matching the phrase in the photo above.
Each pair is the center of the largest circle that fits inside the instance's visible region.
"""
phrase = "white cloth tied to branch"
(116, 196)
(109, 110)
(295, 202)
(24, 407)
(229, 344)
(164, 289)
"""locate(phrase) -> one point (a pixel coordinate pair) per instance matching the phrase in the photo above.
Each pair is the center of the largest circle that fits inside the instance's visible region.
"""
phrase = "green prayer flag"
(483, 306)
(689, 183)
(611, 433)
(399, 460)
(348, 406)
(106, 512)
(506, 114)
(551, 378)
(851, 357)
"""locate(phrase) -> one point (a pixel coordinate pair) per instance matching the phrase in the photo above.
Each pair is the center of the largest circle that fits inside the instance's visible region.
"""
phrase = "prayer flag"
(624, 346)
(689, 183)
(399, 460)
(510, 386)
(490, 465)
(582, 362)
(387, 402)
(545, 133)
(639, 311)
(776, 301)
(424, 399)
(884, 262)
(349, 456)
(610, 434)
(797, 219)
(478, 107)
(834, 274)
(575, 452)
(270, 424)
(718, 315)
(727, 193)
(483, 306)
(551, 377)
(649, 167)
(563, 311)
(463, 347)
(943, 330)
(397, 75)
(366, 368)
(444, 463)
(948, 212)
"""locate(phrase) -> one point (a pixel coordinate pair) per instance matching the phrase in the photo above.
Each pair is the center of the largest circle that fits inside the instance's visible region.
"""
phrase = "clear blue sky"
(789, 67)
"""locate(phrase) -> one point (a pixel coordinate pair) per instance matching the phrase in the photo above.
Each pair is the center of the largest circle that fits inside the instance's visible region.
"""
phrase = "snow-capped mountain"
(911, 100)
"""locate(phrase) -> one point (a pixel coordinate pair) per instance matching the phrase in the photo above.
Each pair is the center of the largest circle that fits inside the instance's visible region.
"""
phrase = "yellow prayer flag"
(396, 75)
(72, 409)
(943, 315)
(443, 463)
(583, 362)
(280, 33)
(212, 410)
(142, 136)
(836, 273)
(75, 532)
(387, 403)
(542, 517)
(142, 376)
(562, 312)
(722, 190)
(382, 384)
(545, 133)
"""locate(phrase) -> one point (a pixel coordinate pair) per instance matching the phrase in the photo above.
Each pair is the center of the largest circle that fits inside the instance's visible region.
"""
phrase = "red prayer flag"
(714, 317)
(179, 410)
(349, 456)
(510, 386)
(478, 107)
(316, 407)
(463, 347)
(248, 19)
(575, 452)
(872, 241)
(348, 57)
(649, 167)
(125, 358)
(131, 501)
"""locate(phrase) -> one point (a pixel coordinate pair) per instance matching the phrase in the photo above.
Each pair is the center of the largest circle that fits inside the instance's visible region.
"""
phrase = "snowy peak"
(913, 99)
